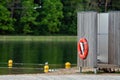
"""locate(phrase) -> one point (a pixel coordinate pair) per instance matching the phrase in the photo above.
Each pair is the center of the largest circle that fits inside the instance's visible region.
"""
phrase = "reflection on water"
(28, 55)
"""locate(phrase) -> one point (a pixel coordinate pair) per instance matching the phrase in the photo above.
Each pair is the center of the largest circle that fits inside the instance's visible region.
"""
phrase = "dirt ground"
(76, 71)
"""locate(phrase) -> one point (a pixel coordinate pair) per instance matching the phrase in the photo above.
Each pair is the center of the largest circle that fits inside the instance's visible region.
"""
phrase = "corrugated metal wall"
(114, 38)
(103, 37)
(87, 27)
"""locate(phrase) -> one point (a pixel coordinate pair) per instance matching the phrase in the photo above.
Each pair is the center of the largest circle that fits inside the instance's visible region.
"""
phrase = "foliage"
(116, 4)
(47, 17)
(70, 9)
(6, 22)
(68, 18)
(50, 15)
(28, 16)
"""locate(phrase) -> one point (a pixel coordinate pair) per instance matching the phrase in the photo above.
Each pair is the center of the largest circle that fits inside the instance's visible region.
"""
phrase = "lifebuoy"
(83, 48)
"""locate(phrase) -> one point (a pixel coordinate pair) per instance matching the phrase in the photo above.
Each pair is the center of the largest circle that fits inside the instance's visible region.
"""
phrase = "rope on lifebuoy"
(83, 48)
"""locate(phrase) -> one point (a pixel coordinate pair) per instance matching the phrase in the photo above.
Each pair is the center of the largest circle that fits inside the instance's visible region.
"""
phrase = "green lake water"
(29, 56)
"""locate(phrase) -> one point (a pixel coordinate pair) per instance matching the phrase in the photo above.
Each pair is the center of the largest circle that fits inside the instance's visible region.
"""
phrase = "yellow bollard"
(10, 63)
(67, 65)
(46, 68)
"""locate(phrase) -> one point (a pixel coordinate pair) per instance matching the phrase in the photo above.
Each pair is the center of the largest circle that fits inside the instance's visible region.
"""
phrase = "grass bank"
(38, 38)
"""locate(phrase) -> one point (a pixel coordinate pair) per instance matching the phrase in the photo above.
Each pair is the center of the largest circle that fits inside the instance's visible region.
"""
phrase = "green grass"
(38, 38)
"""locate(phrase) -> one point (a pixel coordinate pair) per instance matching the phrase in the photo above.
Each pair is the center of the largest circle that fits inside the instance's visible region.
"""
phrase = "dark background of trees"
(47, 17)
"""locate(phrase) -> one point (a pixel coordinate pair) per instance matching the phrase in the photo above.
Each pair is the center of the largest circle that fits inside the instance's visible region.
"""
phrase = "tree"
(6, 22)
(28, 16)
(115, 4)
(43, 17)
(104, 5)
(49, 16)
(70, 9)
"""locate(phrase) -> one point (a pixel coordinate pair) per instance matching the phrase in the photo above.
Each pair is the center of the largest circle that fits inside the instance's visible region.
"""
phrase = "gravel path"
(59, 77)
(62, 74)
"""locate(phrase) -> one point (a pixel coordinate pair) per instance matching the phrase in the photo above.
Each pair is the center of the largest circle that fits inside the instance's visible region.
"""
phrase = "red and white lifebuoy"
(83, 48)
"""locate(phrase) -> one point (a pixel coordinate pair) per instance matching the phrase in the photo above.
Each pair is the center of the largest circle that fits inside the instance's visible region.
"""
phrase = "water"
(30, 56)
